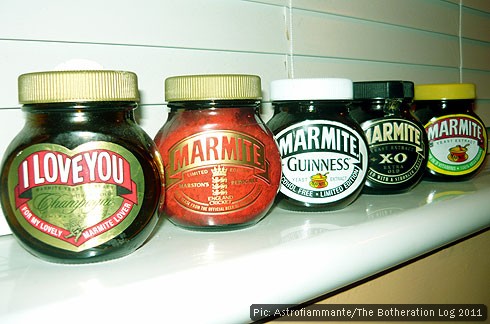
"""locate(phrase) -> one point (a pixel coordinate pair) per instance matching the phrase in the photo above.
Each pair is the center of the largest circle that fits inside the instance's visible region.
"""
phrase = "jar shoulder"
(128, 135)
(186, 123)
(281, 120)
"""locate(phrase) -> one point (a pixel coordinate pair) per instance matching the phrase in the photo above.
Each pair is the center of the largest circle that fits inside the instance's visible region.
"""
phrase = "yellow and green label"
(457, 144)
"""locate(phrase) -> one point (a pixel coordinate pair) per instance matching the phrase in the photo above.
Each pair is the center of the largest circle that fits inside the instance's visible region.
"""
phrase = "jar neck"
(383, 107)
(312, 106)
(212, 104)
(80, 112)
(447, 106)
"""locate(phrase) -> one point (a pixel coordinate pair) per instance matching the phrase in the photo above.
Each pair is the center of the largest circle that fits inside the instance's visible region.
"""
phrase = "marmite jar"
(397, 140)
(457, 136)
(222, 164)
(324, 152)
(81, 182)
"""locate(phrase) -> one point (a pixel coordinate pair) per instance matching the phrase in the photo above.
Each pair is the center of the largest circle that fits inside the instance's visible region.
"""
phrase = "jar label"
(76, 199)
(457, 144)
(397, 150)
(216, 172)
(322, 161)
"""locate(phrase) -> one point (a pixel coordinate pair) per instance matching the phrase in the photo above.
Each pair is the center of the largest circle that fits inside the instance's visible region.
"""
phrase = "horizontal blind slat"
(441, 17)
(213, 24)
(330, 36)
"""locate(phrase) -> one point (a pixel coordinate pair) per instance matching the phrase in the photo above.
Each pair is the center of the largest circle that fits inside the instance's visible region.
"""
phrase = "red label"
(76, 199)
(55, 168)
(76, 238)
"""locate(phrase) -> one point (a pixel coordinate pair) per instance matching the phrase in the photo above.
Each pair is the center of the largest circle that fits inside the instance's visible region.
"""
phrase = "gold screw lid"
(447, 91)
(213, 87)
(77, 86)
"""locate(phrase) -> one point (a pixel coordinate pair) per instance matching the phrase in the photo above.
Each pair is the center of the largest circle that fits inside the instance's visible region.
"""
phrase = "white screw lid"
(311, 89)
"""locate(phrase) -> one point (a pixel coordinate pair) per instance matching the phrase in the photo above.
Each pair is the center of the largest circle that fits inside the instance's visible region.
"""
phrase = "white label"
(322, 161)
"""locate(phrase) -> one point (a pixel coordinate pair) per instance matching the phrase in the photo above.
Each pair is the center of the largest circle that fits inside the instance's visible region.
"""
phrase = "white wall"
(426, 41)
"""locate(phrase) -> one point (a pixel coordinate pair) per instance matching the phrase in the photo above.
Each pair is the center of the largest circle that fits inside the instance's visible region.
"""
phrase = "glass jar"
(397, 140)
(457, 136)
(324, 151)
(81, 181)
(222, 164)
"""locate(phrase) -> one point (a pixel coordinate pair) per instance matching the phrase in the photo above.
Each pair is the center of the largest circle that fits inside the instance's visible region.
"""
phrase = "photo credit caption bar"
(371, 312)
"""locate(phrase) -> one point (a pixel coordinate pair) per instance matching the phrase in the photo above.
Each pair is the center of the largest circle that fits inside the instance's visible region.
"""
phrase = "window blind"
(426, 41)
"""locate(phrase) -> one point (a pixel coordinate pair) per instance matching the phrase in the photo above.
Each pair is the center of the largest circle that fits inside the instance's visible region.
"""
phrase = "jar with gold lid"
(222, 164)
(81, 182)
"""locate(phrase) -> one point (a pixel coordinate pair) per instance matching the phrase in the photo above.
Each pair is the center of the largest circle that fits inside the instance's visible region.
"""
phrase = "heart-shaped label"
(76, 199)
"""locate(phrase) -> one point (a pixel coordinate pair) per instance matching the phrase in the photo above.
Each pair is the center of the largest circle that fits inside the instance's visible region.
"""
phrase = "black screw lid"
(380, 89)
(408, 89)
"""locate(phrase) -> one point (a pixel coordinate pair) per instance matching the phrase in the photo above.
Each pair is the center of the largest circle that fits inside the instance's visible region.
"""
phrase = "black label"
(397, 150)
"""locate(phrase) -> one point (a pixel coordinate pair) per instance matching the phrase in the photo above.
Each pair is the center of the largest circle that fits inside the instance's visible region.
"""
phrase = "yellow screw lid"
(446, 91)
(213, 87)
(77, 86)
